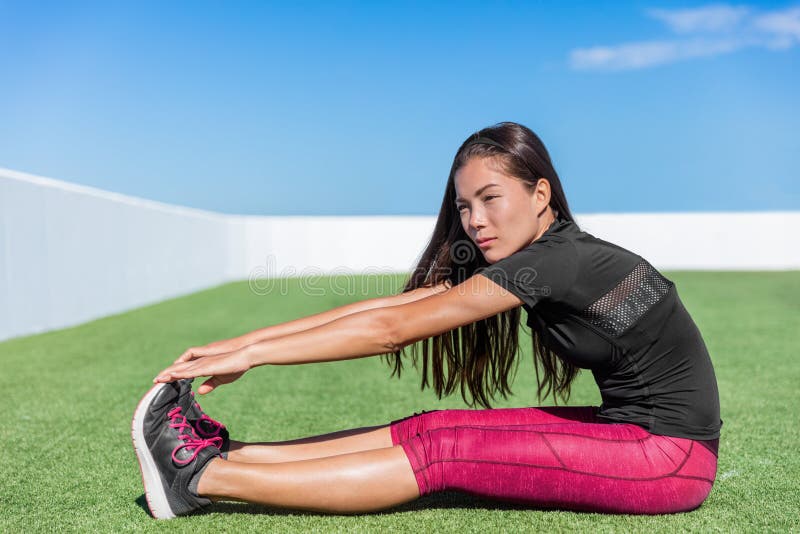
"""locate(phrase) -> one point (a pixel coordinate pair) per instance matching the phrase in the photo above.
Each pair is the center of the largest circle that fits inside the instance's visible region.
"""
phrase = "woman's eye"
(488, 197)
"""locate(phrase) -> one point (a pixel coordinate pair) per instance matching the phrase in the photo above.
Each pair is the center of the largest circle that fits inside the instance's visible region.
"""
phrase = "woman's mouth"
(488, 242)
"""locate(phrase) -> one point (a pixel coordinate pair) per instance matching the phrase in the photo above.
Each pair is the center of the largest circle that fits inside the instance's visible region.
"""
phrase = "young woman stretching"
(504, 239)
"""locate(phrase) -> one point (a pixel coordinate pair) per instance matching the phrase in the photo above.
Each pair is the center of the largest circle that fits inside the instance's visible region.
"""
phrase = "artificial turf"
(68, 397)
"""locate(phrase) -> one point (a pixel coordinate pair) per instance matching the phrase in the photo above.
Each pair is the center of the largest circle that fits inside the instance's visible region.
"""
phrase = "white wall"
(70, 253)
(704, 241)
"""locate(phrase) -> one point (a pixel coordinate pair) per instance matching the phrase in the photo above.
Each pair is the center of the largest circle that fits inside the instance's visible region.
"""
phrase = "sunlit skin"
(508, 211)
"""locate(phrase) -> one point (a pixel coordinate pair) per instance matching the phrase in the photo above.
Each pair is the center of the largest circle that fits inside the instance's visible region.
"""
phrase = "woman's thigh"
(407, 427)
(598, 467)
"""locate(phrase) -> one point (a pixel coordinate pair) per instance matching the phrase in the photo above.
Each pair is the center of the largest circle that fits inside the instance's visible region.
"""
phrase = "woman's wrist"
(251, 338)
(254, 354)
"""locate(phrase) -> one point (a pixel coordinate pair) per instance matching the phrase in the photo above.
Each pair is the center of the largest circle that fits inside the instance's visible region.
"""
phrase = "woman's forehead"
(473, 179)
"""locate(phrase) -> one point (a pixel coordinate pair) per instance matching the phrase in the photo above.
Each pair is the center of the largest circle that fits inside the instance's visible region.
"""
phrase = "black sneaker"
(169, 452)
(204, 426)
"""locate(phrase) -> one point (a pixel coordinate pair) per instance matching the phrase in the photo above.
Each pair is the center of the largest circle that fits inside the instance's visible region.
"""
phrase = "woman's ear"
(541, 195)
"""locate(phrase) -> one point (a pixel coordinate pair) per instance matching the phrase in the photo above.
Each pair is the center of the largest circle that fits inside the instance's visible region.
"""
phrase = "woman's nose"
(476, 219)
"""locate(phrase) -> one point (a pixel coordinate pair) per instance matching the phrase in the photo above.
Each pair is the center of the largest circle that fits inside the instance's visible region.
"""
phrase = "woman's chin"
(490, 256)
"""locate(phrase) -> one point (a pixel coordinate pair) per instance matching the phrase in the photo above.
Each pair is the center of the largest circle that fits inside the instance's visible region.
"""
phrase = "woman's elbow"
(390, 331)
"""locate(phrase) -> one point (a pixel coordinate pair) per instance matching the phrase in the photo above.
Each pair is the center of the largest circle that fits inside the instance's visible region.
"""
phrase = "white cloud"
(782, 26)
(649, 53)
(708, 18)
(718, 29)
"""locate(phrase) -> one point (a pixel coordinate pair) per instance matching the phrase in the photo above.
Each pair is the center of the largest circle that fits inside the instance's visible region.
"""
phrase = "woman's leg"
(335, 443)
(564, 462)
(413, 425)
(598, 467)
(378, 437)
(356, 482)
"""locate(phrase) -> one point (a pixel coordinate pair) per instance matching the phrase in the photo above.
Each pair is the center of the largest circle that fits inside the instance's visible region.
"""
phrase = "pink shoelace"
(191, 441)
(215, 426)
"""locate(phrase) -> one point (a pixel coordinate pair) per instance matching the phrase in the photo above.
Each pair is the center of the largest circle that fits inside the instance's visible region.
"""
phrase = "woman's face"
(507, 212)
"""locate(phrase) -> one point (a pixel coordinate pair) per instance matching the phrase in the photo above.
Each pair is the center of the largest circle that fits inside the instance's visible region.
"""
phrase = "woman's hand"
(212, 349)
(222, 368)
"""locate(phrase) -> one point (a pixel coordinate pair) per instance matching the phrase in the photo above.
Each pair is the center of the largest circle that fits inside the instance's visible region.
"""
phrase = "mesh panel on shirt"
(621, 307)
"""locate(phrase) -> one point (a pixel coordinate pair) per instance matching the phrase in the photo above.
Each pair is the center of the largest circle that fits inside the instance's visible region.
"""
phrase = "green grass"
(68, 397)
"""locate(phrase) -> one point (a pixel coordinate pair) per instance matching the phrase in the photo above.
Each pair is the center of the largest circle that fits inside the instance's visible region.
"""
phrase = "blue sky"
(355, 108)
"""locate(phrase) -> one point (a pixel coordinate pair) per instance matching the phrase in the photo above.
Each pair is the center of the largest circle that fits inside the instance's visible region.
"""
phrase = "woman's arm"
(312, 321)
(379, 331)
(306, 323)
(365, 333)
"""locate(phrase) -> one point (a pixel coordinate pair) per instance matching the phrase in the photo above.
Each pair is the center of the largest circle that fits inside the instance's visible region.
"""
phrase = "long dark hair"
(480, 355)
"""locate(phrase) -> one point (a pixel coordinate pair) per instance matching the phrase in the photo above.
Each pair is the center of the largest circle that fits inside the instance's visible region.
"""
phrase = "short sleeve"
(541, 272)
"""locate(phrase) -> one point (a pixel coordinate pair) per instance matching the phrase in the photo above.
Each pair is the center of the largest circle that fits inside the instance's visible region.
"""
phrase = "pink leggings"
(560, 457)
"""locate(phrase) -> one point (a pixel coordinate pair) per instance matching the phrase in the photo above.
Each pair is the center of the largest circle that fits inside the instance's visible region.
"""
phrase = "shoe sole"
(154, 492)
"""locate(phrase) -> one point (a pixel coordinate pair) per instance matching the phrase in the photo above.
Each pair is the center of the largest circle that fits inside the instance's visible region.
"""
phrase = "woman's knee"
(430, 452)
(413, 425)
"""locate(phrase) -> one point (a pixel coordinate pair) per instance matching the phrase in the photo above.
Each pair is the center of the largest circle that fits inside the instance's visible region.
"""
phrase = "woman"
(504, 239)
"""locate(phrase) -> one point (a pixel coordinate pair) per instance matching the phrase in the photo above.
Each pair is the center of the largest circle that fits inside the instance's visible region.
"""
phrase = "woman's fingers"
(207, 386)
(186, 356)
(193, 353)
(210, 384)
(186, 370)
(227, 367)
(212, 349)
(171, 373)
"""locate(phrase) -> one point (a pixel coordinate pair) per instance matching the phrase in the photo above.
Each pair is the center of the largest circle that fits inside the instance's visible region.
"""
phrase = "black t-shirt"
(604, 308)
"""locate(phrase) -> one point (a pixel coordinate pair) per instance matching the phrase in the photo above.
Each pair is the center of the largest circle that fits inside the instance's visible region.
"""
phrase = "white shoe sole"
(151, 479)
